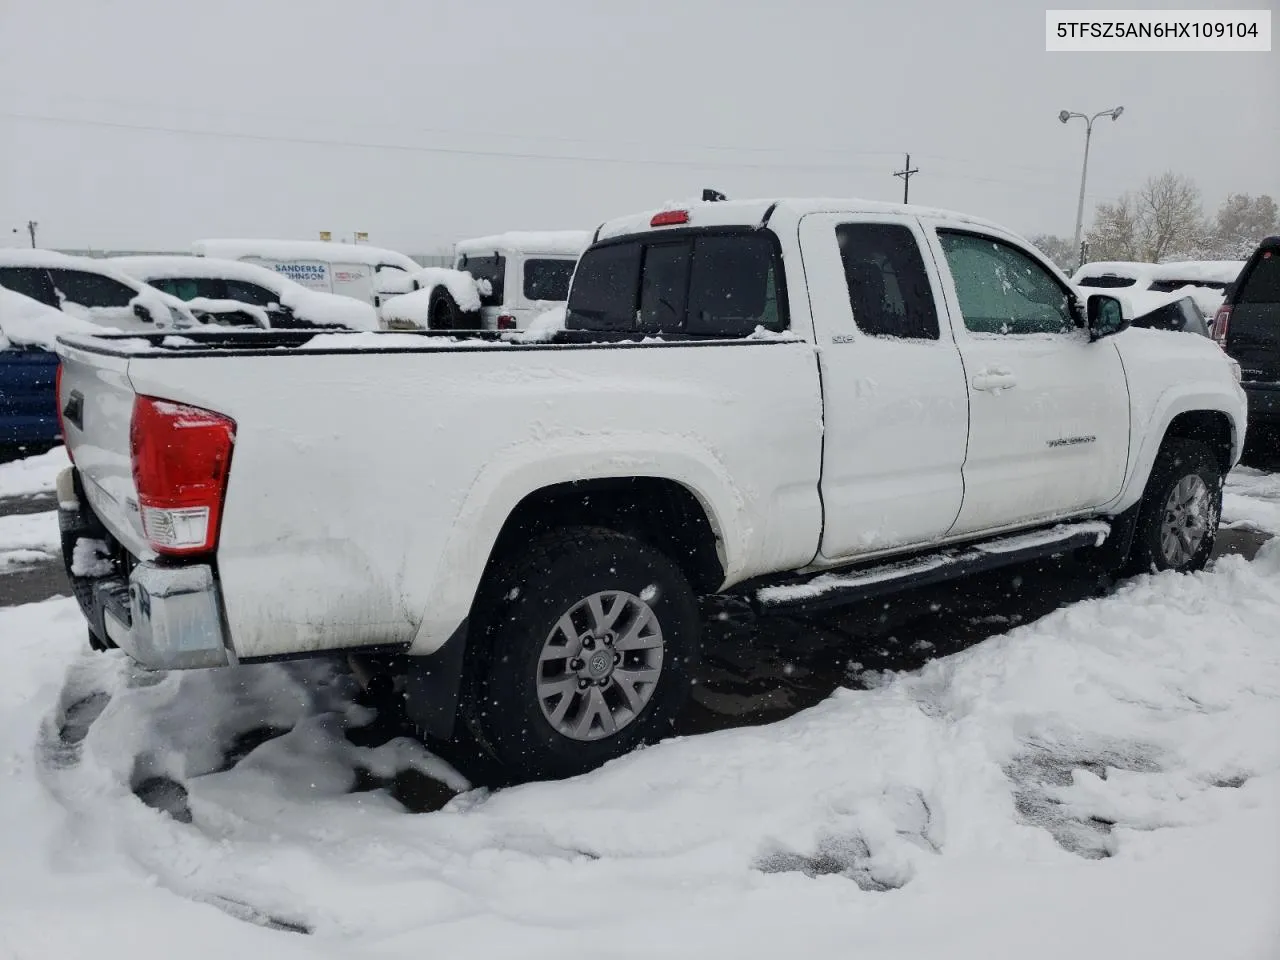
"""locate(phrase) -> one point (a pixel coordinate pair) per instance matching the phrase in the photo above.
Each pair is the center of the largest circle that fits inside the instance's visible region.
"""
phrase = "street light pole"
(1064, 116)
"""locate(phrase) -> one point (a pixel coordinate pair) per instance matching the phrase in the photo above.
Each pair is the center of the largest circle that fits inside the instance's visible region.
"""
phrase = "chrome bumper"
(173, 617)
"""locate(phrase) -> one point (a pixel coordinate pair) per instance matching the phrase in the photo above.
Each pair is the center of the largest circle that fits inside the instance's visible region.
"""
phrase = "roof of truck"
(303, 250)
(732, 213)
(564, 242)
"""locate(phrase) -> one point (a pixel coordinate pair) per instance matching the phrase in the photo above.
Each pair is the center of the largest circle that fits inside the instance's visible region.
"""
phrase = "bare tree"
(1057, 249)
(1169, 218)
(1241, 223)
(1113, 235)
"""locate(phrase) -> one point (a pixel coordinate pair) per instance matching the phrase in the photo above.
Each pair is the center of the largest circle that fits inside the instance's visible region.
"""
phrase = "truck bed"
(403, 454)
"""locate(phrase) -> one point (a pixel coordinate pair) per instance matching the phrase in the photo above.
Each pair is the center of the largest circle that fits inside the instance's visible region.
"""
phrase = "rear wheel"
(587, 651)
(1181, 507)
(443, 313)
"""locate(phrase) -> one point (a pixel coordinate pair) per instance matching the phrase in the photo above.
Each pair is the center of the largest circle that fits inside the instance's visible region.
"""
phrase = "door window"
(250, 293)
(1003, 290)
(91, 289)
(188, 288)
(31, 282)
(888, 286)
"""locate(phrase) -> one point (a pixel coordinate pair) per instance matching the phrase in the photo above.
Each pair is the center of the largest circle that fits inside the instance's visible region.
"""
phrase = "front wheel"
(588, 650)
(1180, 510)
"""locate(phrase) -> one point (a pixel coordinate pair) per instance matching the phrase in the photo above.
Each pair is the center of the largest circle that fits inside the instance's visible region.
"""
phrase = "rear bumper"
(164, 617)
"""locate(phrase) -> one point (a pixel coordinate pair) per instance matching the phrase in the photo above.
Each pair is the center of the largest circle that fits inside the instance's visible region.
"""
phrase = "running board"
(825, 590)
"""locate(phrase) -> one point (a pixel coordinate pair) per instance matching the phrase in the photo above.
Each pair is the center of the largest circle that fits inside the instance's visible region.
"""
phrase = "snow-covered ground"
(1252, 499)
(1104, 782)
(31, 475)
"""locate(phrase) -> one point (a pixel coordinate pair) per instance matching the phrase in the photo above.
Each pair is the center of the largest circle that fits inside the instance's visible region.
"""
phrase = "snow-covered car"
(801, 403)
(92, 290)
(501, 282)
(1205, 280)
(267, 298)
(520, 273)
(359, 271)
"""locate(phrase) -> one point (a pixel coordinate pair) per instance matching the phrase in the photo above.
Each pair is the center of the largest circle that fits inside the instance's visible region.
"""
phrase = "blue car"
(28, 413)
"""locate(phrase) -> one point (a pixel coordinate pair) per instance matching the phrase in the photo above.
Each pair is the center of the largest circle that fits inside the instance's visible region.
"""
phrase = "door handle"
(994, 379)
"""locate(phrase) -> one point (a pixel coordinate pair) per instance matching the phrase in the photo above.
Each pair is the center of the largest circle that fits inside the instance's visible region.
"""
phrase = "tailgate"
(96, 399)
(1253, 339)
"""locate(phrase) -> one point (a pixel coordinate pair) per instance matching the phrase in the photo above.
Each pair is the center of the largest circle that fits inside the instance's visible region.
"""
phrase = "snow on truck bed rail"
(1104, 782)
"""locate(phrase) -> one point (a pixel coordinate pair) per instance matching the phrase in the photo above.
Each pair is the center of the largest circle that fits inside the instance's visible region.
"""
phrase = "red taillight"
(181, 457)
(1221, 323)
(669, 218)
(506, 322)
(57, 402)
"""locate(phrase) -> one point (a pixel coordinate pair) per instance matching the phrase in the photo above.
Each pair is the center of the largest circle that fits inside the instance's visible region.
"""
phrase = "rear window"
(1262, 282)
(604, 292)
(546, 279)
(490, 273)
(888, 286)
(1106, 281)
(708, 284)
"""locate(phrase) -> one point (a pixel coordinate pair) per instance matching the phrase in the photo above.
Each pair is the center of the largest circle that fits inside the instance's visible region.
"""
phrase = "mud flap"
(432, 684)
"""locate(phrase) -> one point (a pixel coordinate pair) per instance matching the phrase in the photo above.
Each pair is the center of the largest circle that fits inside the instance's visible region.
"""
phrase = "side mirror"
(142, 313)
(1105, 316)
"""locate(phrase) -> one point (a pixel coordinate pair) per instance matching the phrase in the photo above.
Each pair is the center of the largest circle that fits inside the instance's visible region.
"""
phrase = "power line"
(499, 154)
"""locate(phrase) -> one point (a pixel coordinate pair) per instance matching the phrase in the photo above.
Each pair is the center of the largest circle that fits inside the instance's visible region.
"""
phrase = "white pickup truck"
(799, 402)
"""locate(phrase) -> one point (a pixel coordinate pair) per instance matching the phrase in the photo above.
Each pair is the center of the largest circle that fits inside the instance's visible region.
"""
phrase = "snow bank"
(543, 327)
(27, 322)
(1105, 781)
(33, 474)
(29, 536)
(527, 242)
(1252, 499)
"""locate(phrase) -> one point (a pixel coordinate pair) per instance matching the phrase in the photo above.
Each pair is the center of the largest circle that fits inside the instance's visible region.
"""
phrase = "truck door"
(896, 416)
(1048, 408)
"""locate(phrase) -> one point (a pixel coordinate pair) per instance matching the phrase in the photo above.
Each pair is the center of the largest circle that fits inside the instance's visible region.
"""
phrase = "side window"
(250, 293)
(32, 282)
(188, 288)
(664, 283)
(546, 279)
(888, 286)
(91, 289)
(734, 286)
(603, 295)
(1002, 290)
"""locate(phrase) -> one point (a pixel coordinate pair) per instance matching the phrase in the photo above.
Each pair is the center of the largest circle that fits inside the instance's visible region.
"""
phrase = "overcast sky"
(424, 121)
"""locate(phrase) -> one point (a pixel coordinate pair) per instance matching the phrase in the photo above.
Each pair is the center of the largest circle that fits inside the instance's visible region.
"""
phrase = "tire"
(619, 626)
(443, 313)
(1180, 509)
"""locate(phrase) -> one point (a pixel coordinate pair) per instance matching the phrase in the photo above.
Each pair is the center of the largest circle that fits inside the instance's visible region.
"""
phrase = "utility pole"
(906, 173)
(31, 229)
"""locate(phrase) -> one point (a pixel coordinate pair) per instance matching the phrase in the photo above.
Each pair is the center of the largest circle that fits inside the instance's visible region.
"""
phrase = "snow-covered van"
(521, 274)
(351, 270)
